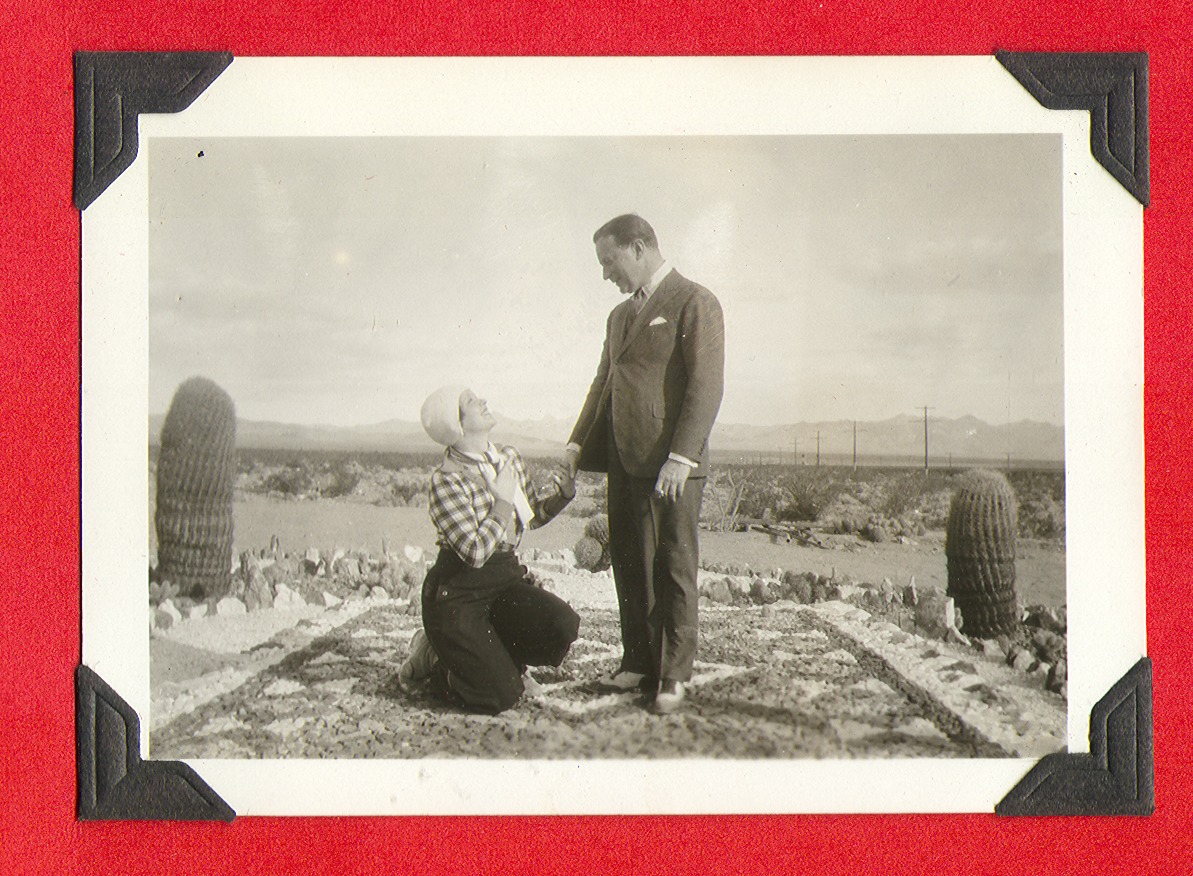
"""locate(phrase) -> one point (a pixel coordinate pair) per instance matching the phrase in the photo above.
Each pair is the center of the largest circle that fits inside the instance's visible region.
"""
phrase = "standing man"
(646, 421)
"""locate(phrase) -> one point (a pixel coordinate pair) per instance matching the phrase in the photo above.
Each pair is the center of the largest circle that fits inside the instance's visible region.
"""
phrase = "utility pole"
(818, 448)
(795, 449)
(925, 439)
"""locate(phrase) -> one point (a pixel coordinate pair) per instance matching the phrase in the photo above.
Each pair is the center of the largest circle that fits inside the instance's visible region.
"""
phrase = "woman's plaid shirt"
(461, 506)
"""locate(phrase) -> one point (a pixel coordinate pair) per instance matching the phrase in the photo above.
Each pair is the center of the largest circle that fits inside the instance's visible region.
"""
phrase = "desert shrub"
(808, 492)
(404, 491)
(1037, 482)
(1041, 516)
(723, 494)
(599, 492)
(295, 479)
(582, 506)
(910, 493)
(340, 478)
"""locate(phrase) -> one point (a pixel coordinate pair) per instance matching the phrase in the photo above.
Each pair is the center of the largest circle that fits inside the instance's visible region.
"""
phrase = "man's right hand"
(571, 460)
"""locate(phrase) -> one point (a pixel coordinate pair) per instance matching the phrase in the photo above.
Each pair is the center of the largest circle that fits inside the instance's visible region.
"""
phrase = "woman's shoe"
(419, 662)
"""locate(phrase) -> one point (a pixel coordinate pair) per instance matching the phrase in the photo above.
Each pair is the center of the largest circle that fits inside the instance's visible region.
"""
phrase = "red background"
(39, 428)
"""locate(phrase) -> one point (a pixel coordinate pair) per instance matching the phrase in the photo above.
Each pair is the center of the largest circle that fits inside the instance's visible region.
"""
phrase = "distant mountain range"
(902, 437)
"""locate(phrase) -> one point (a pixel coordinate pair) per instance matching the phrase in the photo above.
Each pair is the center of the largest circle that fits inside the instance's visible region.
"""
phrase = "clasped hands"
(504, 485)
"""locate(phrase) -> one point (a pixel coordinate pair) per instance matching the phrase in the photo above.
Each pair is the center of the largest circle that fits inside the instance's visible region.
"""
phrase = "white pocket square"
(658, 320)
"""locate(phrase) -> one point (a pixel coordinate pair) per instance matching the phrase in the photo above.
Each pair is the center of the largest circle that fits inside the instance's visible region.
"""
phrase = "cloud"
(334, 280)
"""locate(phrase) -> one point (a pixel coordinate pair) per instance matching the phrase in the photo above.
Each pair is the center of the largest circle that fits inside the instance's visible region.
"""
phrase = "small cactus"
(980, 551)
(597, 528)
(196, 472)
(588, 553)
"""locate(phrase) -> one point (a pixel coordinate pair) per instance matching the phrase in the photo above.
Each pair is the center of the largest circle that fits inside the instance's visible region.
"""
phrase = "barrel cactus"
(980, 550)
(597, 529)
(196, 471)
(588, 553)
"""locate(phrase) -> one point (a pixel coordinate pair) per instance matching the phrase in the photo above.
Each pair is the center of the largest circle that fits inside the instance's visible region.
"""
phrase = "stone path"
(781, 681)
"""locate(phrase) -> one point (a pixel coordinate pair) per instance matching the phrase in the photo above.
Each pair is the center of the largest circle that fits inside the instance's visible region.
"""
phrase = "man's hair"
(626, 229)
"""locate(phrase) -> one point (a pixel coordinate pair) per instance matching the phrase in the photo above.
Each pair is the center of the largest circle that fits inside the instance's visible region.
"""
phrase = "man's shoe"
(419, 662)
(620, 681)
(669, 698)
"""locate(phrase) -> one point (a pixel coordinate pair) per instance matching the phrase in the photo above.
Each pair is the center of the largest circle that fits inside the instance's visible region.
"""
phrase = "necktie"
(638, 300)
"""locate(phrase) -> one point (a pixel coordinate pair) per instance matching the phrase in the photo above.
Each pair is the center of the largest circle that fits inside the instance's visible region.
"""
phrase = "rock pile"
(1036, 648)
(277, 580)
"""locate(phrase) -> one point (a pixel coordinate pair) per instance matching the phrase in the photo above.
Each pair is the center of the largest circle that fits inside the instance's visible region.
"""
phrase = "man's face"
(622, 265)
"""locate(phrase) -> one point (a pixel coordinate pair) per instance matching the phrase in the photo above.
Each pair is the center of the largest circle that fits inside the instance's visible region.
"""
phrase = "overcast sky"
(339, 281)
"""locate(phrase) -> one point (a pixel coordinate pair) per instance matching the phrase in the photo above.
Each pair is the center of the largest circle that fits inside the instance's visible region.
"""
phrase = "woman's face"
(474, 414)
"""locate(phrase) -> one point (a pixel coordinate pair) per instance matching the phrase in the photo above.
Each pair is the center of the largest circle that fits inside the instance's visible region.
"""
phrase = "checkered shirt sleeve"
(460, 509)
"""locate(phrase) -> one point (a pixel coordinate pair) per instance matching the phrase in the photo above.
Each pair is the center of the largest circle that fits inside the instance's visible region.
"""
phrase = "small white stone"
(283, 687)
(285, 597)
(286, 726)
(340, 685)
(230, 605)
(197, 611)
(171, 609)
(330, 600)
(413, 553)
(920, 728)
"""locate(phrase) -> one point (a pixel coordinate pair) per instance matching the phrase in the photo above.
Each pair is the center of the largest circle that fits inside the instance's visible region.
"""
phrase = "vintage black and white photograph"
(672, 437)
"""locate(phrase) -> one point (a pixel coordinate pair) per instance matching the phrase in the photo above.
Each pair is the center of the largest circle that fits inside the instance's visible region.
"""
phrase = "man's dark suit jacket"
(663, 370)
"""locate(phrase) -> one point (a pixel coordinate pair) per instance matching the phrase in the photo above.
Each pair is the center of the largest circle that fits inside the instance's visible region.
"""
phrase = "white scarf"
(488, 462)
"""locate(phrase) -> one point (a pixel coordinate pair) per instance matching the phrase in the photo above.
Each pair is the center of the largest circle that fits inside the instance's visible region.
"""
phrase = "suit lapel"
(649, 310)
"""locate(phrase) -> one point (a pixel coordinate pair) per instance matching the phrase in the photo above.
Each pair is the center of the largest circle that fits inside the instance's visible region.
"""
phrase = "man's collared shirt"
(647, 289)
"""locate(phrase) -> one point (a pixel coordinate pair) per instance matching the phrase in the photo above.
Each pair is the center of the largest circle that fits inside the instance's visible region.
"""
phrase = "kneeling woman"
(484, 619)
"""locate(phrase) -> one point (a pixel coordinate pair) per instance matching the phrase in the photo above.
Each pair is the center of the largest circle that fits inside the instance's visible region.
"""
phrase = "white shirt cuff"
(682, 459)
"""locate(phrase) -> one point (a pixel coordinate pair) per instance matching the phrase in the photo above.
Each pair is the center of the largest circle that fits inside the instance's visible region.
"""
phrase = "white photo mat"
(1103, 404)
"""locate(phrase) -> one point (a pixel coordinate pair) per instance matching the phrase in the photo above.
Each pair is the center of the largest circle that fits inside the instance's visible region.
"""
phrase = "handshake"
(503, 483)
(564, 479)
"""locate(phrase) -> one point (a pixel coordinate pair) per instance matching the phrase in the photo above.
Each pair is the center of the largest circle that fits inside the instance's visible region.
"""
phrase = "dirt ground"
(328, 523)
(774, 682)
(314, 682)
